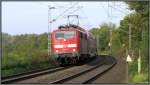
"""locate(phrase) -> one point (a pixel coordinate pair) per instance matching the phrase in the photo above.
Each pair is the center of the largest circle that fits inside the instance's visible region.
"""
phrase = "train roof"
(74, 27)
(70, 27)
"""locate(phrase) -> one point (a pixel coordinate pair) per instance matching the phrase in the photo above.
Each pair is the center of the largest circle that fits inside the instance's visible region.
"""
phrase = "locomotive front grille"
(66, 55)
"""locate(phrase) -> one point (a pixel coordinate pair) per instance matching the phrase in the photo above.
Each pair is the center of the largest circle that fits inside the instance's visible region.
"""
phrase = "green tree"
(103, 35)
(138, 20)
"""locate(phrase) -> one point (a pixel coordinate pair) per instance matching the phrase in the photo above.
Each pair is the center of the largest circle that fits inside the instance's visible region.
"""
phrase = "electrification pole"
(110, 41)
(97, 39)
(129, 39)
(49, 29)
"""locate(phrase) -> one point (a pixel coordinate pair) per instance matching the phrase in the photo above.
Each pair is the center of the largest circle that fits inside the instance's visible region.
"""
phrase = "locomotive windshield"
(65, 34)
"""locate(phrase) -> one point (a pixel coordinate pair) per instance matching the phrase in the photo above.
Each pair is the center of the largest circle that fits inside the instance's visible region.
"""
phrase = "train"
(72, 44)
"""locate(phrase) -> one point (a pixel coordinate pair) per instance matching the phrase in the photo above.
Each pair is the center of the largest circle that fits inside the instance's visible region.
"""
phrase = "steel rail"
(75, 75)
(101, 73)
(20, 77)
(24, 73)
(63, 80)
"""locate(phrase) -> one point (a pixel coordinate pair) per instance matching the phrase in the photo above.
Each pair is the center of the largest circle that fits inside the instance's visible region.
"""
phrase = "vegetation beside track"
(138, 20)
(21, 53)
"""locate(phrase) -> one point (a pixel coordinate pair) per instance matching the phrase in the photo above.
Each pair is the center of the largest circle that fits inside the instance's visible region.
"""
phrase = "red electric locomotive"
(71, 44)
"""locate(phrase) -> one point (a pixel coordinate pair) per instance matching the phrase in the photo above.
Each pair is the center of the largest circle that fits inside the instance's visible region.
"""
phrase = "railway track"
(31, 74)
(85, 73)
(25, 73)
(88, 75)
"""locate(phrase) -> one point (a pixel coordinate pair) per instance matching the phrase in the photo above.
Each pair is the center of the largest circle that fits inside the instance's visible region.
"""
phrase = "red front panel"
(65, 41)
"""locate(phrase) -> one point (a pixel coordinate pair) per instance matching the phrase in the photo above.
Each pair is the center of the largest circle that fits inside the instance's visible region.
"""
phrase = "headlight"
(58, 46)
(56, 51)
(74, 50)
(72, 45)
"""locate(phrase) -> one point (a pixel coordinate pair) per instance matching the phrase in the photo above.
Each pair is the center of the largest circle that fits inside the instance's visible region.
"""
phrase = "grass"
(140, 78)
(134, 76)
(103, 52)
(25, 68)
(22, 61)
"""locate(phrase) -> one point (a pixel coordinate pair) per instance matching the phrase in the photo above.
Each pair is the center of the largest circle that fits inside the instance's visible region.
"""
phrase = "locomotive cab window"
(65, 34)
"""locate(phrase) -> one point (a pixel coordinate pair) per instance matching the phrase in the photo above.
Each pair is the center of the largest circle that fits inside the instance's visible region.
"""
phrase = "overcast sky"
(32, 17)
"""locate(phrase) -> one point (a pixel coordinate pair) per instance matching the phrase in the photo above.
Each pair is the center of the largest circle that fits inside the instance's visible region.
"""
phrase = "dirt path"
(118, 74)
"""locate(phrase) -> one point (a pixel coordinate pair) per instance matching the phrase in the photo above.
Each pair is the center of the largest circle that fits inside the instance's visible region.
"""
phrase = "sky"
(32, 17)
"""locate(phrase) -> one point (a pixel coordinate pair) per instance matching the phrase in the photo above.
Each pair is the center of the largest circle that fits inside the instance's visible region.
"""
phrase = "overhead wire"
(88, 21)
(118, 9)
(65, 11)
(75, 11)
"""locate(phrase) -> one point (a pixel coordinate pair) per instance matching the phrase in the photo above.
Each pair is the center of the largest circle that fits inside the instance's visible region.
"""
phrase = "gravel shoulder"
(118, 74)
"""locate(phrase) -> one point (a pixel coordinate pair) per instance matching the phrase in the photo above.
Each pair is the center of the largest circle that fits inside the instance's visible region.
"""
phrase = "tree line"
(24, 52)
(118, 38)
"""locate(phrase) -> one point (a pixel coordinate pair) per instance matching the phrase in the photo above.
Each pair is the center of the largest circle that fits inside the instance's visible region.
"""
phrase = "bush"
(134, 76)
(139, 78)
(24, 53)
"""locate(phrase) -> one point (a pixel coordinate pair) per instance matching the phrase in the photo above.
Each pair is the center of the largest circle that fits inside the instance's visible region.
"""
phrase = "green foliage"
(138, 22)
(136, 77)
(140, 78)
(117, 47)
(102, 35)
(139, 7)
(24, 52)
(139, 31)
